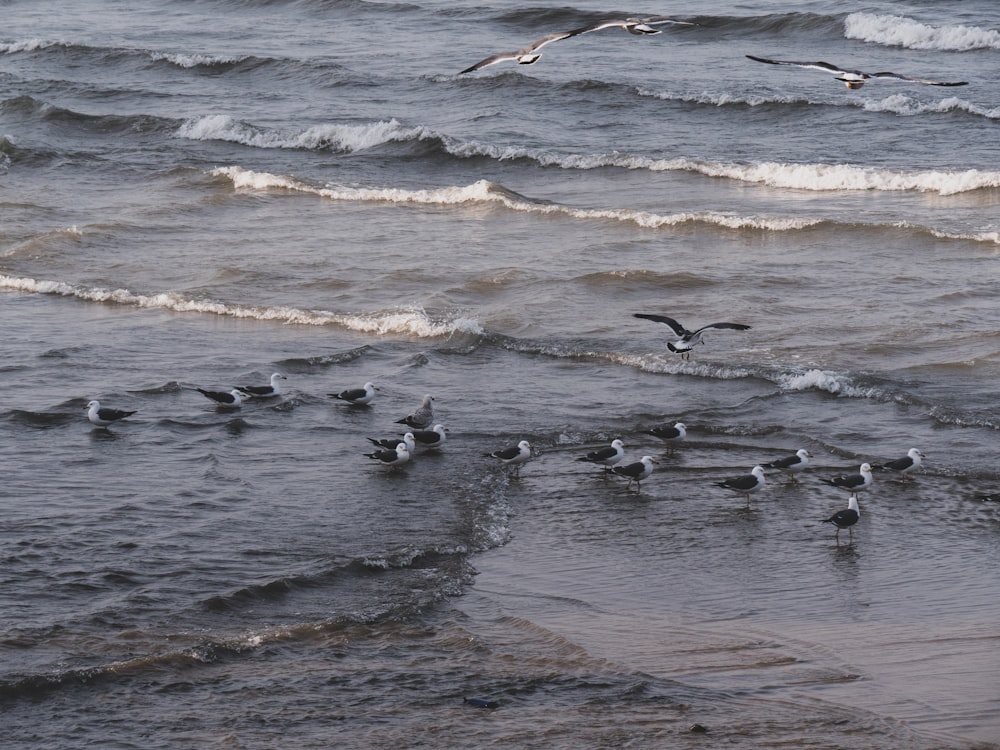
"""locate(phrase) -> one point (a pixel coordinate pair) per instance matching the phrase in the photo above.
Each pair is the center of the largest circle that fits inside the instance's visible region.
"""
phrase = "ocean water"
(198, 194)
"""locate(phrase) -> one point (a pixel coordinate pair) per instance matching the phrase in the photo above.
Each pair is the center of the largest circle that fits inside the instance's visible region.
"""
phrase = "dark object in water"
(481, 703)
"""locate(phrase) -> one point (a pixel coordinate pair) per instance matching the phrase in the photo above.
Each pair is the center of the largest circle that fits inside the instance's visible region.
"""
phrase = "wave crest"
(899, 31)
(414, 321)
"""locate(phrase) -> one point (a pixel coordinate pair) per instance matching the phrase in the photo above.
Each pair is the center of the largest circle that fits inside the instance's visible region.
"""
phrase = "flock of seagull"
(425, 433)
(529, 54)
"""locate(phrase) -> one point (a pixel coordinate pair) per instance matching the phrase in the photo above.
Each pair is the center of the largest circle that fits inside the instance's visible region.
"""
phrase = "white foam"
(338, 137)
(27, 45)
(414, 321)
(192, 60)
(899, 31)
(823, 380)
(484, 191)
(901, 104)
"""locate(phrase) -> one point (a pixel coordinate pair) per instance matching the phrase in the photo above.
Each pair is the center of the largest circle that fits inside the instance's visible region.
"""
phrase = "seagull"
(845, 519)
(232, 399)
(265, 391)
(674, 434)
(792, 465)
(395, 457)
(606, 457)
(524, 56)
(910, 462)
(391, 443)
(432, 438)
(745, 483)
(688, 339)
(514, 456)
(637, 26)
(855, 483)
(855, 79)
(420, 418)
(636, 472)
(104, 417)
(358, 396)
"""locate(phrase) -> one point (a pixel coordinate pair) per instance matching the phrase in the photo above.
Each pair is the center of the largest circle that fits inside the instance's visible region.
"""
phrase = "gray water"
(200, 194)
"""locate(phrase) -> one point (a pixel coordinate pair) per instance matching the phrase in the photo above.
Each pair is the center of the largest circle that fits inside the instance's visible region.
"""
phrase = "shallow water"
(204, 194)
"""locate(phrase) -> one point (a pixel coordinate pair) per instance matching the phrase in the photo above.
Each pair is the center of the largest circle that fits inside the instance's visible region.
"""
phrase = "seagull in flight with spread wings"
(524, 56)
(638, 26)
(855, 79)
(688, 339)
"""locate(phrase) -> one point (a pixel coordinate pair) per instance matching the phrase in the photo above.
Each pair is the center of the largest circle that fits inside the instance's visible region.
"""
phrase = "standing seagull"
(395, 457)
(265, 391)
(432, 438)
(792, 465)
(357, 396)
(637, 26)
(845, 519)
(606, 457)
(854, 483)
(670, 434)
(745, 483)
(855, 79)
(420, 418)
(392, 443)
(233, 399)
(524, 56)
(636, 472)
(104, 417)
(910, 462)
(688, 339)
(514, 456)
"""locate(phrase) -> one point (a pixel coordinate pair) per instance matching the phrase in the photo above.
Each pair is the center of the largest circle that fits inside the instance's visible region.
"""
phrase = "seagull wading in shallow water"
(853, 483)
(845, 519)
(793, 464)
(432, 438)
(606, 457)
(391, 443)
(514, 456)
(688, 339)
(265, 391)
(358, 396)
(104, 417)
(420, 418)
(233, 399)
(399, 455)
(855, 79)
(636, 472)
(745, 483)
(524, 56)
(903, 466)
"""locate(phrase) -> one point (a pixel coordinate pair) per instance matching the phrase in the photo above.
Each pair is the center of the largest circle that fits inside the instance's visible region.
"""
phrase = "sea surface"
(198, 194)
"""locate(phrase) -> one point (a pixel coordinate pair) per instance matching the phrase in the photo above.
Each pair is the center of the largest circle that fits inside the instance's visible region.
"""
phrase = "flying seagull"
(420, 418)
(606, 457)
(524, 56)
(104, 417)
(399, 455)
(854, 483)
(855, 79)
(233, 399)
(432, 438)
(637, 26)
(265, 391)
(357, 396)
(745, 483)
(636, 472)
(845, 519)
(514, 456)
(688, 339)
(793, 464)
(910, 462)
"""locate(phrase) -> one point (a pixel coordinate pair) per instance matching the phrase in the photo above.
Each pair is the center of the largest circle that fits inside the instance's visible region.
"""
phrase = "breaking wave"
(413, 321)
(899, 31)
